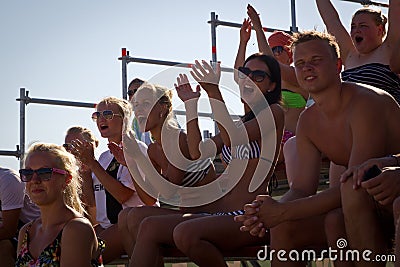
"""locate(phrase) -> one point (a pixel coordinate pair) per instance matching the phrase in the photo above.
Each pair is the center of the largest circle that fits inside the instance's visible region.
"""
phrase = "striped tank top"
(377, 75)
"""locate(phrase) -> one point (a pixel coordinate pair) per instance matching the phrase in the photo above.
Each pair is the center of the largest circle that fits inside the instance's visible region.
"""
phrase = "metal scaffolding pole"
(293, 28)
(124, 74)
(24, 100)
(22, 95)
(125, 59)
(213, 22)
(368, 3)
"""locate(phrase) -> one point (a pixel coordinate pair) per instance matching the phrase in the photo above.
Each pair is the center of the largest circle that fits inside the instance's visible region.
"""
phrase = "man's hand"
(358, 172)
(384, 188)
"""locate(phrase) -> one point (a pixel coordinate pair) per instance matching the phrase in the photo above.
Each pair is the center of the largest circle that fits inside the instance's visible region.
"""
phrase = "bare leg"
(203, 239)
(290, 152)
(7, 253)
(335, 229)
(112, 238)
(334, 174)
(362, 223)
(297, 235)
(129, 221)
(123, 227)
(154, 233)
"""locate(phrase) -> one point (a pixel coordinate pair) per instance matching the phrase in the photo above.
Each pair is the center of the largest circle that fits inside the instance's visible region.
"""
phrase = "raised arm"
(197, 147)
(395, 59)
(393, 34)
(287, 72)
(208, 78)
(245, 33)
(334, 26)
(262, 42)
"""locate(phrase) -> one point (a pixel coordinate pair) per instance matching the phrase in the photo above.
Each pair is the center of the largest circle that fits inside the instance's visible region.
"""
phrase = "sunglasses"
(67, 146)
(277, 50)
(256, 75)
(107, 114)
(43, 174)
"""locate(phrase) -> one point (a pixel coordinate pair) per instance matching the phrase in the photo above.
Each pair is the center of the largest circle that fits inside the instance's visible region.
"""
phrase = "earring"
(161, 115)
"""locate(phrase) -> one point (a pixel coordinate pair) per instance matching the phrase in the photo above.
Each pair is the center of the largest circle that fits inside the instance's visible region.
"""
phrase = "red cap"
(279, 38)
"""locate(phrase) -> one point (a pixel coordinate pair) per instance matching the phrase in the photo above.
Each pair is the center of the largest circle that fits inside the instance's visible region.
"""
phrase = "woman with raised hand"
(88, 199)
(169, 157)
(62, 236)
(248, 172)
(114, 187)
(289, 79)
(294, 98)
(365, 51)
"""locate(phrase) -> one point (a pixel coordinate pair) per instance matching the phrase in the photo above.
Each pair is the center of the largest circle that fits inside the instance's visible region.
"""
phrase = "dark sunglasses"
(67, 146)
(131, 92)
(107, 114)
(256, 75)
(43, 174)
(277, 50)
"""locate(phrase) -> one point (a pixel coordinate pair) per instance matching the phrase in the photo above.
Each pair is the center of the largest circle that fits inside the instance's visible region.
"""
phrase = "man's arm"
(9, 223)
(12, 200)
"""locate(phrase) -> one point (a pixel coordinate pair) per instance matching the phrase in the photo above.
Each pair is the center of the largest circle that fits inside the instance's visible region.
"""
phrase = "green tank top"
(292, 99)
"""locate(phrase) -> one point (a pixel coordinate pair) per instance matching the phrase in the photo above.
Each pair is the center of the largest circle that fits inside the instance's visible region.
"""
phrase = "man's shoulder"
(9, 175)
(364, 98)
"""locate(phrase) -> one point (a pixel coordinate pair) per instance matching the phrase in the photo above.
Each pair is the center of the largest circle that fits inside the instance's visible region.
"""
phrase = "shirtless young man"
(349, 123)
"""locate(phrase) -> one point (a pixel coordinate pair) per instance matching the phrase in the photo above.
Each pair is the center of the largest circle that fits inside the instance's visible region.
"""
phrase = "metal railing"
(24, 98)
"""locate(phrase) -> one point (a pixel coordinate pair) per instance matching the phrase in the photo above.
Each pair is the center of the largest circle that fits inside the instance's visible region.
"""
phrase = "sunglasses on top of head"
(277, 50)
(256, 75)
(42, 174)
(107, 114)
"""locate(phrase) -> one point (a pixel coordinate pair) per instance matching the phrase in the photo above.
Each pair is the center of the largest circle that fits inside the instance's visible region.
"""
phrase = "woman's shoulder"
(78, 226)
(277, 111)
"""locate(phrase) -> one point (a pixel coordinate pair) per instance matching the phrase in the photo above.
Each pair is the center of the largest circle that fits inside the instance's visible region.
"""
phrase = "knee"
(353, 201)
(123, 218)
(135, 217)
(184, 237)
(148, 229)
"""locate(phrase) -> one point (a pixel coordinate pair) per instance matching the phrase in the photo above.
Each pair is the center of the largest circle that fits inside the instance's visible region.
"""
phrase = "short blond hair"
(305, 36)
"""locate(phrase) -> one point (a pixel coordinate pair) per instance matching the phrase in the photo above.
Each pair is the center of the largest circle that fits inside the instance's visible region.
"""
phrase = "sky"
(68, 50)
